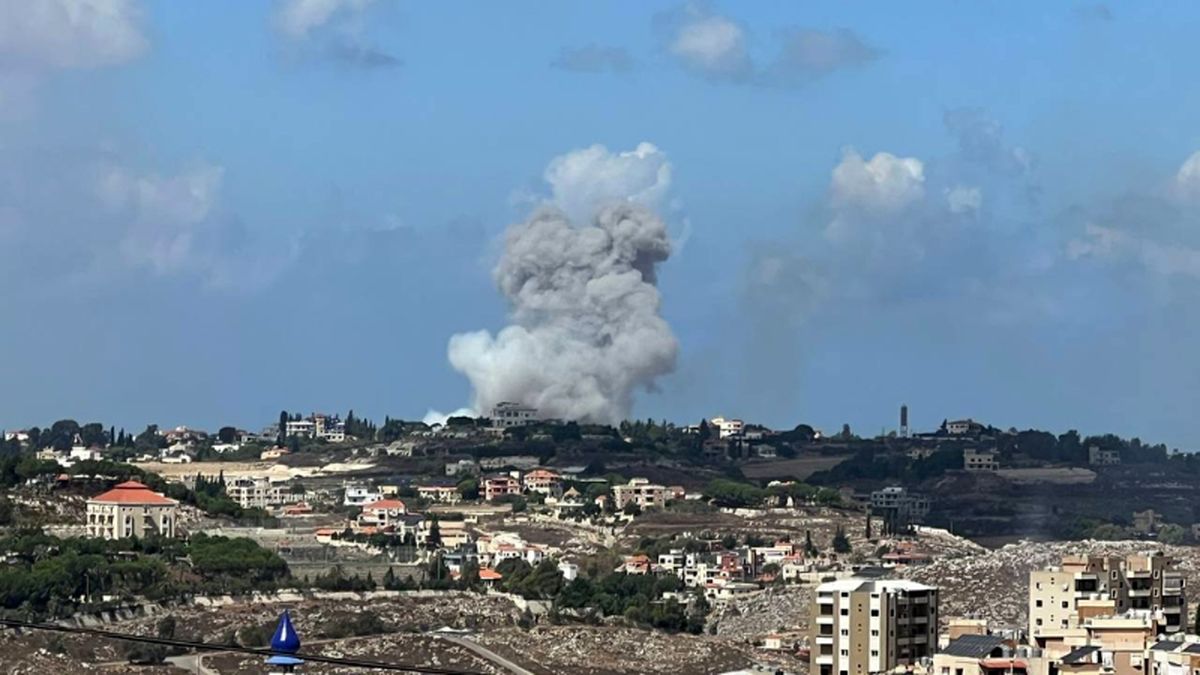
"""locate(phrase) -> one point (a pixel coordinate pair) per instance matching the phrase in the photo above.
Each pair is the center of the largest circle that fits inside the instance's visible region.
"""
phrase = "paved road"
(192, 663)
(487, 654)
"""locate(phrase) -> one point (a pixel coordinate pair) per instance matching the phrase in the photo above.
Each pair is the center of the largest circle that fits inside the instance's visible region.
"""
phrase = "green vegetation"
(50, 577)
(637, 597)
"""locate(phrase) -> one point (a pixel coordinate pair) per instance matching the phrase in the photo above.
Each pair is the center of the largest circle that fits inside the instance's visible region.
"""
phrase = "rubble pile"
(995, 585)
(603, 651)
(750, 617)
(417, 651)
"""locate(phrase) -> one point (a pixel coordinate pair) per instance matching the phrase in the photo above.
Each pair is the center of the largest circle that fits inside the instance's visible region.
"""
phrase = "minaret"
(285, 643)
(904, 421)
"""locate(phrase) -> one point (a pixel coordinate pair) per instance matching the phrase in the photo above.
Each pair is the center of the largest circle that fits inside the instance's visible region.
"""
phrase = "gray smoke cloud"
(585, 329)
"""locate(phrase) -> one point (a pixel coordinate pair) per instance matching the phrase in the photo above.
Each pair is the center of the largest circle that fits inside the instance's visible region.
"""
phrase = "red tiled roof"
(132, 492)
(489, 574)
(385, 505)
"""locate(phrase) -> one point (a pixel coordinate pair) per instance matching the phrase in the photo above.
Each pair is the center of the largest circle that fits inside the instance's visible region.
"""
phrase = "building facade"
(980, 460)
(1083, 587)
(256, 493)
(642, 492)
(131, 510)
(862, 626)
(508, 414)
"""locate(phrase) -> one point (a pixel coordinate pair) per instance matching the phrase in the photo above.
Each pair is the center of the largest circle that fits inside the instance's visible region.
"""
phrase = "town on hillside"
(715, 546)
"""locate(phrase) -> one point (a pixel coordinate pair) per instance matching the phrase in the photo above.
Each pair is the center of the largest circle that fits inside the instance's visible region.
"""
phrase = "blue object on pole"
(285, 638)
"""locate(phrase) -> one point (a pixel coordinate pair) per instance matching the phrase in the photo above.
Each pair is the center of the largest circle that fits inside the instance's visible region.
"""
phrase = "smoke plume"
(585, 330)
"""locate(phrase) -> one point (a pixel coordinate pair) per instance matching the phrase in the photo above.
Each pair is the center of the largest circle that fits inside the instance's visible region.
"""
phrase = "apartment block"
(641, 492)
(1083, 587)
(864, 626)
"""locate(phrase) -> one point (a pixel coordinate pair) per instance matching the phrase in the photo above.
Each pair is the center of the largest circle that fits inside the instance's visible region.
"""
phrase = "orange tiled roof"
(133, 492)
(385, 505)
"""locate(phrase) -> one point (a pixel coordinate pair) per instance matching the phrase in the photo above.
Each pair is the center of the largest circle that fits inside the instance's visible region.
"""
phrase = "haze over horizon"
(213, 211)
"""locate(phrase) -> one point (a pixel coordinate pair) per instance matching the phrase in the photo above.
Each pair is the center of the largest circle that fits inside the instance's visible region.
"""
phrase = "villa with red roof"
(131, 509)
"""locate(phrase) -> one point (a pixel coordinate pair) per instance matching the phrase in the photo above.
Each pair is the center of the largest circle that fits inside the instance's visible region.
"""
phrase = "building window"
(1038, 603)
(1064, 604)
(874, 612)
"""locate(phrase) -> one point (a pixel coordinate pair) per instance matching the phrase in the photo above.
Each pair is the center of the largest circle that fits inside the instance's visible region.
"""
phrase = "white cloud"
(1187, 179)
(47, 34)
(166, 215)
(1110, 243)
(583, 180)
(885, 183)
(719, 48)
(962, 199)
(711, 44)
(297, 18)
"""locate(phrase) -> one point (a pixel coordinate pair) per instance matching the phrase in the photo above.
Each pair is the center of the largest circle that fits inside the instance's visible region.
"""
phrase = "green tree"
(841, 543)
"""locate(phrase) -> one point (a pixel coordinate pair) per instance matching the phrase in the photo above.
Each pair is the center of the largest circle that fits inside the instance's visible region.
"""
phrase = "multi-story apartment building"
(502, 485)
(862, 626)
(131, 510)
(980, 460)
(329, 427)
(258, 493)
(1083, 587)
(898, 508)
(727, 428)
(640, 491)
(507, 414)
(544, 481)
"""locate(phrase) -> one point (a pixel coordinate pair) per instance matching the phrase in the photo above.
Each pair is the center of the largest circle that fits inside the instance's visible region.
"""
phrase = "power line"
(209, 647)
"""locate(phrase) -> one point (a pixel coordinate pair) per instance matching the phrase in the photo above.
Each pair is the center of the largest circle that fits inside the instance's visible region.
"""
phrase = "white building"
(299, 428)
(861, 626)
(508, 414)
(131, 510)
(727, 428)
(256, 493)
(358, 495)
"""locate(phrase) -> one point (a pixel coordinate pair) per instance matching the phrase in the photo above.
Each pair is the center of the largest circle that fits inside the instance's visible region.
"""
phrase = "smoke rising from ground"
(585, 329)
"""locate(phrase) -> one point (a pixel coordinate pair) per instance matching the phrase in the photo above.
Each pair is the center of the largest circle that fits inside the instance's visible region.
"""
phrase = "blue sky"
(211, 211)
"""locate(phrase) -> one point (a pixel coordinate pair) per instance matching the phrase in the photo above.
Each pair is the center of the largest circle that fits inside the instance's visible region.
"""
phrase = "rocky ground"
(589, 650)
(749, 618)
(994, 585)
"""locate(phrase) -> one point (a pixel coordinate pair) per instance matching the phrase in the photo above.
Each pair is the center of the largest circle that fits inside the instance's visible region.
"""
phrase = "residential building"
(273, 453)
(862, 626)
(250, 492)
(640, 491)
(1082, 587)
(131, 509)
(331, 429)
(496, 548)
(544, 481)
(1174, 657)
(507, 414)
(898, 508)
(502, 485)
(360, 495)
(385, 515)
(1098, 456)
(446, 494)
(727, 428)
(300, 428)
(964, 427)
(984, 654)
(980, 460)
(1147, 522)
(1112, 645)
